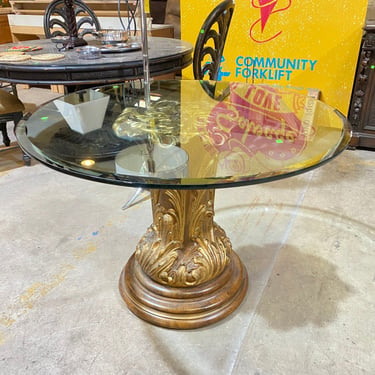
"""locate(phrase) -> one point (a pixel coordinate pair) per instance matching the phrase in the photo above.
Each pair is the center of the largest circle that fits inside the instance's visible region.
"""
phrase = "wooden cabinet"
(362, 106)
(157, 8)
(5, 35)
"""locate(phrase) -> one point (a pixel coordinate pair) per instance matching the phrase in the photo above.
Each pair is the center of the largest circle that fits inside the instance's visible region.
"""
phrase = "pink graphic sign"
(266, 8)
(257, 121)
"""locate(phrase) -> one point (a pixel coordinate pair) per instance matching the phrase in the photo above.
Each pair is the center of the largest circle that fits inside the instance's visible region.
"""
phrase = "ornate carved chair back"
(57, 22)
(211, 41)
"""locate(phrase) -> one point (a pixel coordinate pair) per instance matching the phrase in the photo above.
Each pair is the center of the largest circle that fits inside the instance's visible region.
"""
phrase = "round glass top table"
(191, 138)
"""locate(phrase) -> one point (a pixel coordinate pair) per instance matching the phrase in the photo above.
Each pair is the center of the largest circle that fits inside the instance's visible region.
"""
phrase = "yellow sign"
(295, 44)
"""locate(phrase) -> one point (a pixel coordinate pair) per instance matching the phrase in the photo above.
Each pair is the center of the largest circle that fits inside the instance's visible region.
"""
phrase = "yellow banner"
(295, 44)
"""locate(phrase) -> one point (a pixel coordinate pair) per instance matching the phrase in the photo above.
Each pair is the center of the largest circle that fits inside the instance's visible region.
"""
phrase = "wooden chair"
(11, 109)
(56, 19)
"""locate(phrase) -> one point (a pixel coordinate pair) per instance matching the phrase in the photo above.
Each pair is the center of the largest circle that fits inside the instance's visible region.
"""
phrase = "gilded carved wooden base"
(184, 273)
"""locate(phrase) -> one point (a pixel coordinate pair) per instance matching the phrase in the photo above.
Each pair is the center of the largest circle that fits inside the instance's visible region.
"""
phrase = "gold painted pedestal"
(184, 273)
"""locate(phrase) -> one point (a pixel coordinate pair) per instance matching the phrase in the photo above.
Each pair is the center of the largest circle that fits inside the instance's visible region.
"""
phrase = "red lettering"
(268, 102)
(258, 97)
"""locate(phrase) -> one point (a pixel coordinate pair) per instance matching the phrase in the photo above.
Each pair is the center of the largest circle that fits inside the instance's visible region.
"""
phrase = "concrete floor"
(307, 242)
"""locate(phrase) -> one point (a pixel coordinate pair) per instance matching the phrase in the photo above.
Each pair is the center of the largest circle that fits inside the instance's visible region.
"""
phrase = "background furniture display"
(362, 105)
(167, 55)
(27, 21)
(184, 273)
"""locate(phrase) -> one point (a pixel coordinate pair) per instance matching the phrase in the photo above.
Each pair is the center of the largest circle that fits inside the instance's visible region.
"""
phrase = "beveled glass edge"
(155, 183)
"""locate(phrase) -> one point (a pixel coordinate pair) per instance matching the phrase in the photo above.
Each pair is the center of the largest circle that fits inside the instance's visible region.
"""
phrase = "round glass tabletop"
(192, 135)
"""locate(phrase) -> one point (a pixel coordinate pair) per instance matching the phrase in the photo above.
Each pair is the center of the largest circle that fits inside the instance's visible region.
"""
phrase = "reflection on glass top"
(192, 135)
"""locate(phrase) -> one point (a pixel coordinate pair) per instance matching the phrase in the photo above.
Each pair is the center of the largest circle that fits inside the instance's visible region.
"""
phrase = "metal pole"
(146, 64)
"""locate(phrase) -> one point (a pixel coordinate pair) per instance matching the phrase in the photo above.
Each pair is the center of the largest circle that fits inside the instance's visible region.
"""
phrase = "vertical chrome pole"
(146, 64)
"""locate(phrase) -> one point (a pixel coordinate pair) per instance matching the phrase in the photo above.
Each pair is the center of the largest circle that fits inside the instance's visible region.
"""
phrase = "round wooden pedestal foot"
(185, 307)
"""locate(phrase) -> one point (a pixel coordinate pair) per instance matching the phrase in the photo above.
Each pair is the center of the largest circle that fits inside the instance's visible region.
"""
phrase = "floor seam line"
(284, 238)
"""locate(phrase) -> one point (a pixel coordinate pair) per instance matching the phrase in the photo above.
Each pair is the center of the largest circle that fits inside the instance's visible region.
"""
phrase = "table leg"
(184, 273)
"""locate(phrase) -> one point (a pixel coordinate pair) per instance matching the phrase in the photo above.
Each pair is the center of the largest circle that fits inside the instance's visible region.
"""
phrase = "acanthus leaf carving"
(184, 246)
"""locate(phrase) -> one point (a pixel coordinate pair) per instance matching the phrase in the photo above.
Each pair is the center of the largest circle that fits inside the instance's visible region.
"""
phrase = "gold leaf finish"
(183, 247)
